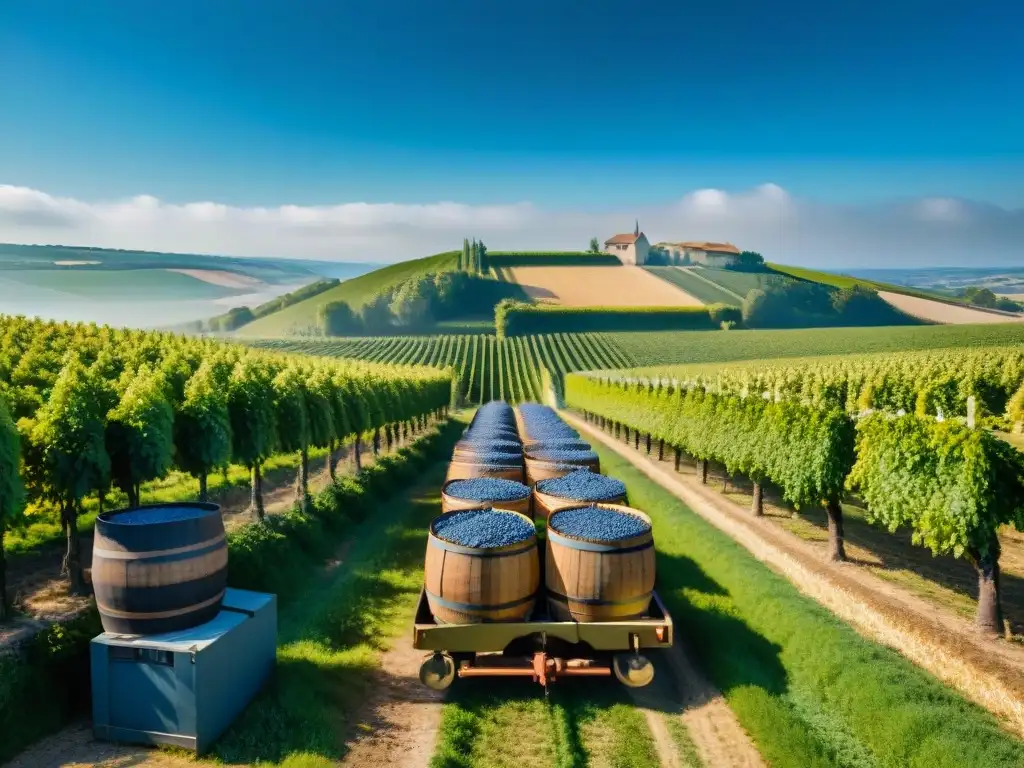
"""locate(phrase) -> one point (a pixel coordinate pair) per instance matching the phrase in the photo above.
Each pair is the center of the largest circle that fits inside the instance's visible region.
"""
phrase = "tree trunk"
(203, 490)
(989, 617)
(661, 450)
(3, 580)
(357, 459)
(618, 431)
(133, 500)
(757, 505)
(626, 430)
(648, 443)
(73, 556)
(101, 499)
(376, 441)
(302, 481)
(837, 551)
(389, 437)
(704, 471)
(332, 462)
(256, 500)
(636, 440)
(678, 458)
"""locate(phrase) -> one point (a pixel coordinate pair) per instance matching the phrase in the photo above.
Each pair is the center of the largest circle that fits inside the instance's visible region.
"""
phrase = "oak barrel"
(472, 585)
(463, 470)
(450, 503)
(539, 469)
(546, 504)
(159, 568)
(591, 580)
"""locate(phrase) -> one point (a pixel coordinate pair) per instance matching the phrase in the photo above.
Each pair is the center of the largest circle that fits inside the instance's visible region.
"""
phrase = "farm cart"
(541, 648)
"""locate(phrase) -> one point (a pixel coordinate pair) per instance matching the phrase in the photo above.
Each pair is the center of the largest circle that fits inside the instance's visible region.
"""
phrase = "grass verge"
(808, 688)
(327, 638)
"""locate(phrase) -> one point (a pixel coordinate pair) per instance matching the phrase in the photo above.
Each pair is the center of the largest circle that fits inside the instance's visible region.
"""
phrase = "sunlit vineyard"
(488, 368)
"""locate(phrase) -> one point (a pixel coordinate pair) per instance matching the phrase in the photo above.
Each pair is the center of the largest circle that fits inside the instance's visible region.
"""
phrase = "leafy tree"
(411, 303)
(474, 260)
(327, 418)
(595, 245)
(481, 253)
(338, 319)
(464, 256)
(70, 454)
(293, 425)
(253, 421)
(376, 314)
(140, 434)
(11, 491)
(749, 261)
(202, 428)
(954, 487)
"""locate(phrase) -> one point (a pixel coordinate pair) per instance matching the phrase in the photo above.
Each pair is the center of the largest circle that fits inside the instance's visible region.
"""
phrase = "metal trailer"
(541, 648)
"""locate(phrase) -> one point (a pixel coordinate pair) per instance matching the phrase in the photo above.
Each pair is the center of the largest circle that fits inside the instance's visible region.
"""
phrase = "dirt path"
(74, 747)
(399, 723)
(682, 692)
(987, 671)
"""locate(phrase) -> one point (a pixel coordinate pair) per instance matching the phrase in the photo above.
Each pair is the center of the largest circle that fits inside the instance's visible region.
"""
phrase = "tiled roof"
(627, 239)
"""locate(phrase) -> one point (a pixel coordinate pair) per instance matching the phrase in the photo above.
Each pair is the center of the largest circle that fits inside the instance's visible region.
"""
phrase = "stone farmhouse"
(629, 248)
(699, 252)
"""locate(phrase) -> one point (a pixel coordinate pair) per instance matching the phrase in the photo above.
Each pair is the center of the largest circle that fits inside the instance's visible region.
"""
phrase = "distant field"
(703, 290)
(611, 286)
(107, 285)
(939, 312)
(355, 292)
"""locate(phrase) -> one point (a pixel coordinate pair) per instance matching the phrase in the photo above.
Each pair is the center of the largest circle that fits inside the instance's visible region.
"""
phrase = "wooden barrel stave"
(537, 470)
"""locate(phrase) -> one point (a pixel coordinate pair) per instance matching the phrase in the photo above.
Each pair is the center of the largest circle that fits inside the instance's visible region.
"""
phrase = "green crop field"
(663, 348)
(740, 283)
(845, 281)
(355, 292)
(488, 368)
(693, 285)
(156, 284)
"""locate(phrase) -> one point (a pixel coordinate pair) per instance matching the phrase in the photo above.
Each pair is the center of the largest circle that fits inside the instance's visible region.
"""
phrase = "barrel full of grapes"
(599, 564)
(478, 570)
(507, 466)
(580, 486)
(159, 568)
(545, 464)
(484, 493)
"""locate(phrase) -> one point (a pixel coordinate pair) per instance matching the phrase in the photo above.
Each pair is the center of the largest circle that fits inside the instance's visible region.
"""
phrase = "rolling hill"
(354, 292)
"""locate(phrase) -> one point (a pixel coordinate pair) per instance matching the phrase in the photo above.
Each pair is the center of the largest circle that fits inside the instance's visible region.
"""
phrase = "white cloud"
(928, 231)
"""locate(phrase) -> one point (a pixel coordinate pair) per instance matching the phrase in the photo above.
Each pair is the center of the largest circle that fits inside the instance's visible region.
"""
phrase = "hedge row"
(47, 684)
(517, 319)
(498, 259)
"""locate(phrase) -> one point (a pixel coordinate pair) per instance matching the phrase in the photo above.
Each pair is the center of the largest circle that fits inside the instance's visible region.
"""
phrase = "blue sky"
(597, 105)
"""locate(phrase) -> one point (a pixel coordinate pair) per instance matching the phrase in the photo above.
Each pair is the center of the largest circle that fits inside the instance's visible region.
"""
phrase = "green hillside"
(846, 281)
(355, 292)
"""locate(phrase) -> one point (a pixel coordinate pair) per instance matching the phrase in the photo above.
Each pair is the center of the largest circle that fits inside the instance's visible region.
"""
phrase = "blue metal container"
(184, 688)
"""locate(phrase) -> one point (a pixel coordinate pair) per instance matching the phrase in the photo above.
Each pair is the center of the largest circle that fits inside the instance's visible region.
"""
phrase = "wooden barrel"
(570, 443)
(454, 504)
(159, 568)
(591, 581)
(463, 470)
(466, 450)
(468, 585)
(537, 470)
(545, 504)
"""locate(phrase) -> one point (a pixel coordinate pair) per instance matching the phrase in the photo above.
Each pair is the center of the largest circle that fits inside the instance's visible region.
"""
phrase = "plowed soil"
(609, 286)
(938, 312)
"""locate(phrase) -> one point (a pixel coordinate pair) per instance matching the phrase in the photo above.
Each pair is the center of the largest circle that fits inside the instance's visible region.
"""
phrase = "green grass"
(846, 281)
(693, 285)
(655, 349)
(156, 284)
(355, 292)
(808, 689)
(741, 283)
(580, 723)
(330, 641)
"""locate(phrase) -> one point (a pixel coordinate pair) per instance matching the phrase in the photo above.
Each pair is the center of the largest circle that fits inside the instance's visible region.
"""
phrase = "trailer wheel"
(437, 671)
(632, 669)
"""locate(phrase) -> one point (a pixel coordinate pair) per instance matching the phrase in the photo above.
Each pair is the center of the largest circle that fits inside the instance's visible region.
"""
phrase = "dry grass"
(624, 286)
(937, 312)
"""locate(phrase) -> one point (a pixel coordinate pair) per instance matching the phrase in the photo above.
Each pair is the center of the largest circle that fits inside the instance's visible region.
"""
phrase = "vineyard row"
(487, 368)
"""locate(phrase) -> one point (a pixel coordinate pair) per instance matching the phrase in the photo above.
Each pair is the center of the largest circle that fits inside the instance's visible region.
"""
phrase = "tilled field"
(623, 286)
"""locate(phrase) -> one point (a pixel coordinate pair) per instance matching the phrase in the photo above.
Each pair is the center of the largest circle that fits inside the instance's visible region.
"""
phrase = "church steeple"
(636, 232)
